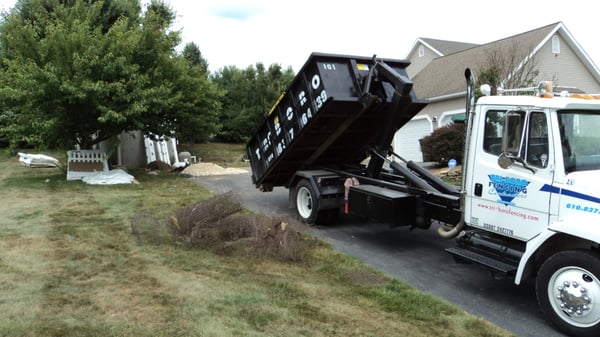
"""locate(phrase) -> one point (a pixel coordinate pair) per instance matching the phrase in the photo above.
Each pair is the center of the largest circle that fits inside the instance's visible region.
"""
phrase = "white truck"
(529, 201)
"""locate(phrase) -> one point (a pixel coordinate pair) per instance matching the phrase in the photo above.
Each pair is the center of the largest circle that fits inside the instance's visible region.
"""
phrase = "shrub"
(444, 144)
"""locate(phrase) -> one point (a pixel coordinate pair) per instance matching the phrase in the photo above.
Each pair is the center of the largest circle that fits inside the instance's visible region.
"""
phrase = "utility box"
(382, 204)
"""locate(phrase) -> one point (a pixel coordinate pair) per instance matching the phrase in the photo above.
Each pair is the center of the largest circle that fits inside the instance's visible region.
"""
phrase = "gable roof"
(444, 78)
(443, 47)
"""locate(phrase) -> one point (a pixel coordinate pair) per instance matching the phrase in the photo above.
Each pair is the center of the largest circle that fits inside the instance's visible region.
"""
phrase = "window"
(494, 129)
(421, 51)
(537, 140)
(504, 133)
(580, 138)
(555, 45)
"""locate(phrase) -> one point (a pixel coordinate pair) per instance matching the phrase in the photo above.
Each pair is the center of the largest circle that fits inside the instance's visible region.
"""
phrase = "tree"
(250, 93)
(508, 68)
(199, 120)
(82, 71)
(192, 54)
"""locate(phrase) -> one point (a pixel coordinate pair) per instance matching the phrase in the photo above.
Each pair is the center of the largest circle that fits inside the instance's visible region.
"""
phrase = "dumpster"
(336, 108)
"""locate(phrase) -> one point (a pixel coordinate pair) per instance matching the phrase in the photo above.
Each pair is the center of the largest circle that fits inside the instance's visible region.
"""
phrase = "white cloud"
(238, 12)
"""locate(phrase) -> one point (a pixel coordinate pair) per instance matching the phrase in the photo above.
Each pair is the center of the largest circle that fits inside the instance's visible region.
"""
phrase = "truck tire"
(568, 292)
(307, 205)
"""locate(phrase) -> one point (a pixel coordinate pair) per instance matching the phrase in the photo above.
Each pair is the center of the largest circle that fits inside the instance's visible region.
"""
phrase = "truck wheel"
(568, 292)
(307, 205)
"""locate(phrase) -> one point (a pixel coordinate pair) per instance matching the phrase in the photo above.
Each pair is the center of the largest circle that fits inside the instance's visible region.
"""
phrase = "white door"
(511, 201)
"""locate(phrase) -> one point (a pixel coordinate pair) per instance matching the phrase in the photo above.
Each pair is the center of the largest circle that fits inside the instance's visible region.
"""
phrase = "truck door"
(514, 160)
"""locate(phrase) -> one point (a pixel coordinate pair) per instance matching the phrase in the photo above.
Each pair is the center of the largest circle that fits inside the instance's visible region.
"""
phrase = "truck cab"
(534, 159)
(532, 187)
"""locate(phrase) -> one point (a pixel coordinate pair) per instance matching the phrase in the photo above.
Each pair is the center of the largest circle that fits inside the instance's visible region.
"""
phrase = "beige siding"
(417, 63)
(437, 108)
(565, 69)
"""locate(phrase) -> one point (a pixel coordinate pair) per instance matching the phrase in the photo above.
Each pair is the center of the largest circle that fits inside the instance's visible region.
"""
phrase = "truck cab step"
(494, 265)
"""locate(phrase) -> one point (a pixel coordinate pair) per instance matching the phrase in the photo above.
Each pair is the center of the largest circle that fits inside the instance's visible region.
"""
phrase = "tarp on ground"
(111, 177)
(37, 160)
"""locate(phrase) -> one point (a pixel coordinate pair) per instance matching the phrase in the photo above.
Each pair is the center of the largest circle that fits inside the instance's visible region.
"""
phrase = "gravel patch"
(211, 169)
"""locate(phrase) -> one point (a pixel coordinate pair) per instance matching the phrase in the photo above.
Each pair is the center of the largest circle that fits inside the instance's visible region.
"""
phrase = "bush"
(444, 144)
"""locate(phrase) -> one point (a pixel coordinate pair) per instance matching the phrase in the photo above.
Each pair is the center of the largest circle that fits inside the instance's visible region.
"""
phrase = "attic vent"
(421, 51)
(555, 45)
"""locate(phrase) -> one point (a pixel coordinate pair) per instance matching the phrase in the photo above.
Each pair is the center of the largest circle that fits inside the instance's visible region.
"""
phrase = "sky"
(245, 32)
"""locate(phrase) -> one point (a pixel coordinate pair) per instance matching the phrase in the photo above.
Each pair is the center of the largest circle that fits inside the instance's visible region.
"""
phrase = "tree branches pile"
(223, 226)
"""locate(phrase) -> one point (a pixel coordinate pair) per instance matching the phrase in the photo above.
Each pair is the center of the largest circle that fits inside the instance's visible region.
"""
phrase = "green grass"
(71, 266)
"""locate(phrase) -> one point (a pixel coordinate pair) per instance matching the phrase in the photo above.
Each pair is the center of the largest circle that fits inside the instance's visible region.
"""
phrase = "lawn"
(224, 154)
(89, 260)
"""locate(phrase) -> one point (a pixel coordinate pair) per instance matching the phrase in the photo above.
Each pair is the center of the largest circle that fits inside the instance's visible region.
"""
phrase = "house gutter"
(447, 97)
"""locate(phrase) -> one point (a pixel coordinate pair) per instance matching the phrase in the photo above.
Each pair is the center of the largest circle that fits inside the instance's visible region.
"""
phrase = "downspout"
(452, 232)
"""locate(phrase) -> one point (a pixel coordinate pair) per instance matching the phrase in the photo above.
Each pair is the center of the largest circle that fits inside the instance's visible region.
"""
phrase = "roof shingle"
(445, 74)
(448, 47)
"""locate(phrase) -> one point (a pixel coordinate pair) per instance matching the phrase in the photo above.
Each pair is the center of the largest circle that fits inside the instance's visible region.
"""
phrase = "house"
(437, 71)
(424, 50)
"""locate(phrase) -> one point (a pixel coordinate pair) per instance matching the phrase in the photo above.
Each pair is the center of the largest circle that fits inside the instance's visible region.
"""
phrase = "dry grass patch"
(223, 154)
(164, 258)
(223, 226)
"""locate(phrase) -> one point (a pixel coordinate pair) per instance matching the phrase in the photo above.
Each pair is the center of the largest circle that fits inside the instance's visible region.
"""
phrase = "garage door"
(406, 140)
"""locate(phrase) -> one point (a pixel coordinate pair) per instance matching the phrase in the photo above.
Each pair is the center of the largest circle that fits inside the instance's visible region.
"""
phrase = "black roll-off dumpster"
(336, 108)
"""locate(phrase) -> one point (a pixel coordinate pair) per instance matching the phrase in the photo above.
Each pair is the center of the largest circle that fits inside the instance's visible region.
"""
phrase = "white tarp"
(111, 177)
(37, 160)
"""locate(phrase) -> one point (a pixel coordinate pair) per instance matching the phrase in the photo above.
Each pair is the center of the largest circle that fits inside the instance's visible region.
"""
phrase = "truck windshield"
(580, 139)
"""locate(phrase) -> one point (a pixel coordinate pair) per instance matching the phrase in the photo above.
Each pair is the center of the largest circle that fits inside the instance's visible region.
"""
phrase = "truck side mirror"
(505, 161)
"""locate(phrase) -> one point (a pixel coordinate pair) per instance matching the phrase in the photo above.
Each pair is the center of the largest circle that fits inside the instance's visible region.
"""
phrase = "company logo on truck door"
(507, 188)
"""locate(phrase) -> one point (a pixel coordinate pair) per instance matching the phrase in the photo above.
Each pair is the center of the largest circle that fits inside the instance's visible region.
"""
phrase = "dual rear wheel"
(307, 206)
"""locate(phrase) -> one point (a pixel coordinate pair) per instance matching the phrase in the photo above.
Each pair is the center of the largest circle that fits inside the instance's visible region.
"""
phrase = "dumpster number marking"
(266, 141)
(316, 82)
(289, 114)
(321, 99)
(281, 145)
(302, 98)
(306, 116)
(276, 125)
